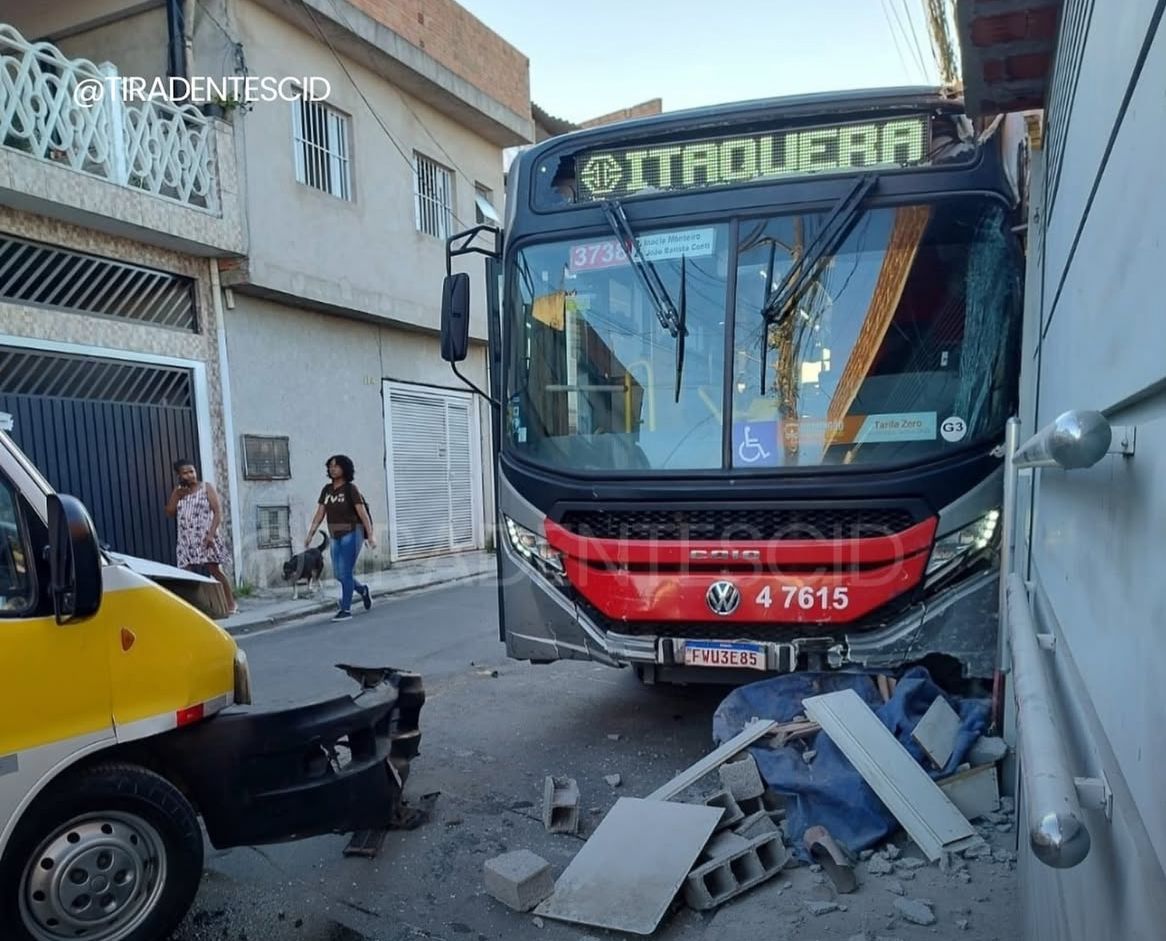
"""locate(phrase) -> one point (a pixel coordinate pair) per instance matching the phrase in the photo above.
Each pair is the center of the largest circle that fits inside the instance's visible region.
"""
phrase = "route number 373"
(807, 598)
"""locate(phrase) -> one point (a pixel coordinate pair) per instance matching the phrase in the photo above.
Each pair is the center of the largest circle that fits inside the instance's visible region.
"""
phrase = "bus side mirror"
(455, 317)
(74, 559)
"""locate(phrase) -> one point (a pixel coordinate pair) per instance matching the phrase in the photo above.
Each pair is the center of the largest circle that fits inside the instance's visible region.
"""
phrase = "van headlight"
(535, 549)
(963, 543)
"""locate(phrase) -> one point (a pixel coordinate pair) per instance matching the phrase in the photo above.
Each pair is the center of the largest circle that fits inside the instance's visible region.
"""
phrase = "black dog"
(305, 566)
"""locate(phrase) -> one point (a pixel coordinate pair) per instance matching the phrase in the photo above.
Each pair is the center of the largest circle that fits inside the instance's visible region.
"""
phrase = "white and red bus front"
(701, 469)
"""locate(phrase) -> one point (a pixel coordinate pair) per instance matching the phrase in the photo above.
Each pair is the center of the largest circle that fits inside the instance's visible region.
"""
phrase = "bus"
(751, 367)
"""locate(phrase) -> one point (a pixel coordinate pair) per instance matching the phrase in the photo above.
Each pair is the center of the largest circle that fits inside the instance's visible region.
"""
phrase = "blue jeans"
(345, 549)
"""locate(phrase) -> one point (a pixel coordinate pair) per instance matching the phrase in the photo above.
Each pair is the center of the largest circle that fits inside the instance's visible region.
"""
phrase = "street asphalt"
(493, 729)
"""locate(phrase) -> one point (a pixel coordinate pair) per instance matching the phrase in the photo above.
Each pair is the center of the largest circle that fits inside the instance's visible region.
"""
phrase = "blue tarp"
(829, 791)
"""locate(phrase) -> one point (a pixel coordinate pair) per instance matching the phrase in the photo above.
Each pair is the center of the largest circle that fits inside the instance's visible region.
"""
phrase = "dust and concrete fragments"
(879, 866)
(822, 908)
(520, 879)
(915, 911)
(561, 805)
(987, 751)
(614, 780)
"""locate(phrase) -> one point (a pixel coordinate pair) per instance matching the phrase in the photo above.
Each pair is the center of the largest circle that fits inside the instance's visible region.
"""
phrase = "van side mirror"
(455, 317)
(74, 560)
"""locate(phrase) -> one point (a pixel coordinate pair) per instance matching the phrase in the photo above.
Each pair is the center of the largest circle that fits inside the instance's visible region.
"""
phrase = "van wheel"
(112, 854)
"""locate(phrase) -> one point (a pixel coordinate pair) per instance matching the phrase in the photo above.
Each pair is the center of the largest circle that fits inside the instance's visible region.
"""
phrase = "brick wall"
(460, 42)
(642, 110)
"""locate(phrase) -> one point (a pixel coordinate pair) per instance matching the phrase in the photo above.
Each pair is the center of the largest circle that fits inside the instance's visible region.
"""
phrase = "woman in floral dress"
(198, 510)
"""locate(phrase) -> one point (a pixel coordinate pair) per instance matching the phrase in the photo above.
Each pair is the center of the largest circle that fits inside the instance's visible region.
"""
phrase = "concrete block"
(756, 825)
(769, 802)
(732, 812)
(741, 778)
(725, 843)
(561, 805)
(976, 792)
(726, 877)
(519, 879)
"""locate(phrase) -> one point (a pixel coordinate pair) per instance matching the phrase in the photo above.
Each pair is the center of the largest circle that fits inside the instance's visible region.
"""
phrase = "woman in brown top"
(349, 527)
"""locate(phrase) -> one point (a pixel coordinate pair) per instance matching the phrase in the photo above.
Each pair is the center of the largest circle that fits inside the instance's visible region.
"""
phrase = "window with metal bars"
(274, 531)
(266, 458)
(433, 191)
(43, 275)
(321, 136)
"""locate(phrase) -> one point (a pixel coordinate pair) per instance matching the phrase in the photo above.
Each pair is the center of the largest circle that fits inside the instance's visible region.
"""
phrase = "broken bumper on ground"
(337, 766)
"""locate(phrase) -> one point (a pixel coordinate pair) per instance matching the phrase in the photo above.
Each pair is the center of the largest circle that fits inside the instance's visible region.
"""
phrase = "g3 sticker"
(953, 429)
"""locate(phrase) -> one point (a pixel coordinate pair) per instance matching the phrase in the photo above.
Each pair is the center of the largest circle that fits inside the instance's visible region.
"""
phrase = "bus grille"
(753, 524)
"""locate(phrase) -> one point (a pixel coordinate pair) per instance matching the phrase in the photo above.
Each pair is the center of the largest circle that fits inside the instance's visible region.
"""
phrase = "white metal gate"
(434, 469)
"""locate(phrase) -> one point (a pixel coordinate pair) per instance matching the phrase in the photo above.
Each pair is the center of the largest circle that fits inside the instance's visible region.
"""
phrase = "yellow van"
(126, 729)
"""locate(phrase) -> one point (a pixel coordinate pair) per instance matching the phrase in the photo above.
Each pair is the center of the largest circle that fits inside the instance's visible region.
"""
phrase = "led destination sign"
(699, 164)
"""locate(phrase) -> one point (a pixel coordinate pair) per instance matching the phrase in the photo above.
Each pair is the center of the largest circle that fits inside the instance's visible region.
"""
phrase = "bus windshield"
(900, 348)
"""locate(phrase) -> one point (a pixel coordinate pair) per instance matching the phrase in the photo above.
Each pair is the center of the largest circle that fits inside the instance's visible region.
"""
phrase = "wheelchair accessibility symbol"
(755, 443)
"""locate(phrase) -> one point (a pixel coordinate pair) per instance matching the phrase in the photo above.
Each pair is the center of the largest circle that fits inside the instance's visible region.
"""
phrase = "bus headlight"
(534, 548)
(963, 542)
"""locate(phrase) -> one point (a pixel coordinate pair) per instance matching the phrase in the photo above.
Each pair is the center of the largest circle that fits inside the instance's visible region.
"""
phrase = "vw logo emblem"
(722, 598)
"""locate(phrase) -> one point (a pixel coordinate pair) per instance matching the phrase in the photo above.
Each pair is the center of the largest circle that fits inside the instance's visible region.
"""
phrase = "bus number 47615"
(807, 598)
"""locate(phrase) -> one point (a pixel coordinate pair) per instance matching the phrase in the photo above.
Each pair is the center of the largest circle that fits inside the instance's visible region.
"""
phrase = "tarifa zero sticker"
(953, 429)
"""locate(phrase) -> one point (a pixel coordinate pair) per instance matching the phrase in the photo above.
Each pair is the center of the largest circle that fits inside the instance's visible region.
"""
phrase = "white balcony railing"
(165, 149)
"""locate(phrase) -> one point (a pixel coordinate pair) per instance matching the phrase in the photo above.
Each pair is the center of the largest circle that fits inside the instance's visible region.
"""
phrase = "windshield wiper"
(672, 317)
(832, 234)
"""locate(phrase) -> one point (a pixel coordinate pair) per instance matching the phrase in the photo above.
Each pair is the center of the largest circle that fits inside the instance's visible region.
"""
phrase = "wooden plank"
(917, 802)
(713, 760)
(628, 873)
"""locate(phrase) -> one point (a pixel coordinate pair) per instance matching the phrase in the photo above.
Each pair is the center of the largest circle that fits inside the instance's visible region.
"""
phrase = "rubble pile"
(922, 762)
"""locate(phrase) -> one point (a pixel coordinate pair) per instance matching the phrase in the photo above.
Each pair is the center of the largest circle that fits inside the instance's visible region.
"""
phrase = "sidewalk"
(276, 605)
